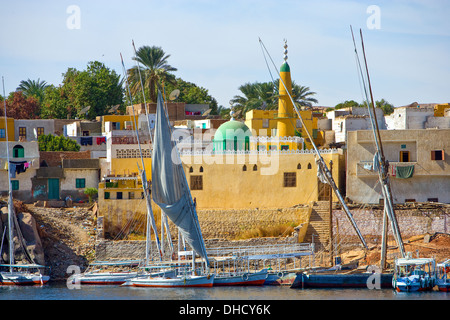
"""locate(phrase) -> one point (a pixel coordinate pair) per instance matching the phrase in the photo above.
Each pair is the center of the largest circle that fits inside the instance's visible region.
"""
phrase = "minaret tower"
(285, 117)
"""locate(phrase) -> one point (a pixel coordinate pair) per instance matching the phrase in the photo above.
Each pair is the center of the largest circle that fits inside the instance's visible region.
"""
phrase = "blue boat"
(341, 280)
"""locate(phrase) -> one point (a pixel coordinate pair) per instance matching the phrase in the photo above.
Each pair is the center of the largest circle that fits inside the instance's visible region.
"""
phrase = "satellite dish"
(174, 95)
(113, 109)
(206, 113)
(84, 110)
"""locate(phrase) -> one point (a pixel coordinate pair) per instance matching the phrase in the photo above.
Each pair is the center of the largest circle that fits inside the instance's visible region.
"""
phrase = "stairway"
(319, 225)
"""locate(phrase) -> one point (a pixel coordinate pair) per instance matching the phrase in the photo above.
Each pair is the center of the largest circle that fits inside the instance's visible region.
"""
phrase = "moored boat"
(443, 276)
(27, 275)
(173, 282)
(94, 275)
(341, 280)
(241, 279)
(412, 275)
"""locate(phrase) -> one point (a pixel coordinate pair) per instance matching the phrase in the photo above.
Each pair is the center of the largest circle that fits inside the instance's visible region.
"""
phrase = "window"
(80, 183)
(191, 169)
(119, 195)
(298, 123)
(130, 195)
(85, 133)
(255, 168)
(2, 133)
(265, 123)
(299, 166)
(107, 195)
(196, 182)
(290, 179)
(15, 184)
(39, 131)
(284, 147)
(404, 156)
(22, 132)
(201, 169)
(315, 133)
(18, 152)
(244, 168)
(309, 166)
(437, 155)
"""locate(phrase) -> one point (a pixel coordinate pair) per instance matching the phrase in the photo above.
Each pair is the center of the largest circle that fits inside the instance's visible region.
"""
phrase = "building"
(23, 164)
(419, 165)
(419, 116)
(352, 119)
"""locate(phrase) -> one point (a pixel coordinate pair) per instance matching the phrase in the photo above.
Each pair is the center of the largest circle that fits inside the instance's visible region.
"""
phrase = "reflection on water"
(59, 291)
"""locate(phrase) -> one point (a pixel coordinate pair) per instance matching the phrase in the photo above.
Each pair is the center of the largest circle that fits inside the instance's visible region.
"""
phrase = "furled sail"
(169, 186)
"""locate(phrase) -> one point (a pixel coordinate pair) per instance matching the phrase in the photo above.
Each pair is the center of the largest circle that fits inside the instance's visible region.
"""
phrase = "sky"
(215, 44)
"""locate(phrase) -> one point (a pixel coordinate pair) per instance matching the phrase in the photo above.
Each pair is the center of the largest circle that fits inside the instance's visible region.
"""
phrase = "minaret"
(286, 121)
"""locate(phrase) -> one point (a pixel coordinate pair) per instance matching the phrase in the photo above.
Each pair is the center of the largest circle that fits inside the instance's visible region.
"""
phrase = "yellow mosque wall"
(274, 181)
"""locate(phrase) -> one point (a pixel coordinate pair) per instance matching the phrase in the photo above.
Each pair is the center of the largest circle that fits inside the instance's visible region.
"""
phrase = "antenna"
(174, 95)
(84, 110)
(113, 109)
(206, 113)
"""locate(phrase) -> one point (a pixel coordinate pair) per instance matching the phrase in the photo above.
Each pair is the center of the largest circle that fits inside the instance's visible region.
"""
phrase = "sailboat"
(15, 273)
(171, 193)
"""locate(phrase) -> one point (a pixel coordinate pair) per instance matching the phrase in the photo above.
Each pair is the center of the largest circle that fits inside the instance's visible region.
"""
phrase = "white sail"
(169, 186)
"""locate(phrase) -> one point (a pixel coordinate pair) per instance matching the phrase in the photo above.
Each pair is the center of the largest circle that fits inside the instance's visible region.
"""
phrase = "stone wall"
(411, 221)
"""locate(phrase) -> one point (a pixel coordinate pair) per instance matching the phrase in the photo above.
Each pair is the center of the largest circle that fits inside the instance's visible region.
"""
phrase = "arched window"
(201, 169)
(255, 168)
(309, 166)
(299, 166)
(191, 169)
(244, 168)
(18, 152)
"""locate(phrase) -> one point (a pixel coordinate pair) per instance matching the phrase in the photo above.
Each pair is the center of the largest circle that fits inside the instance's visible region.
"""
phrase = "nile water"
(60, 291)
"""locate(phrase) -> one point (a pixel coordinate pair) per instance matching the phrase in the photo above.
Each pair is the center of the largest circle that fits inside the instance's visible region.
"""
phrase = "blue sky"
(215, 43)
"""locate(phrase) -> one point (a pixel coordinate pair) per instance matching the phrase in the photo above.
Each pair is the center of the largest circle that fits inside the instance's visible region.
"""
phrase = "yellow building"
(439, 109)
(10, 124)
(284, 122)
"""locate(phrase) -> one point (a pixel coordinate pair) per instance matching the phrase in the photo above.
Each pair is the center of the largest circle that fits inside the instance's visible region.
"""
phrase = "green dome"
(232, 135)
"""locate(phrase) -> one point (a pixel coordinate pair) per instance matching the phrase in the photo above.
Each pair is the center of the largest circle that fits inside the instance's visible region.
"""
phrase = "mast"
(143, 178)
(382, 165)
(322, 165)
(10, 198)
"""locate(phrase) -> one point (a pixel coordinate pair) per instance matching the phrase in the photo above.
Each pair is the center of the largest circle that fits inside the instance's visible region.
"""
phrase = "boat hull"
(413, 284)
(107, 278)
(280, 279)
(11, 279)
(246, 279)
(339, 280)
(178, 282)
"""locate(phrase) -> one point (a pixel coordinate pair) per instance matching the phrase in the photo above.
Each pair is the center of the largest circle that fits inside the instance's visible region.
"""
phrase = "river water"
(60, 291)
(264, 302)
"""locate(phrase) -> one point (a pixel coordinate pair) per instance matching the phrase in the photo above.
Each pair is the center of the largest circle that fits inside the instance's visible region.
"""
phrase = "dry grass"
(271, 231)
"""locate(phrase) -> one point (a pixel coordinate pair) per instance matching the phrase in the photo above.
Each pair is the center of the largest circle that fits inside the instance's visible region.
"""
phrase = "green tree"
(32, 88)
(97, 87)
(383, 105)
(56, 104)
(264, 95)
(50, 142)
(192, 94)
(90, 192)
(154, 70)
(348, 104)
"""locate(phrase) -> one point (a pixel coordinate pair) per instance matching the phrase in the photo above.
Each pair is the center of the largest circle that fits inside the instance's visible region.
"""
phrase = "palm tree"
(302, 96)
(154, 70)
(33, 88)
(255, 95)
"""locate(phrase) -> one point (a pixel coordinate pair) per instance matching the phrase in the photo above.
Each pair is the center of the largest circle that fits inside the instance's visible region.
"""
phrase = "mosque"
(265, 162)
